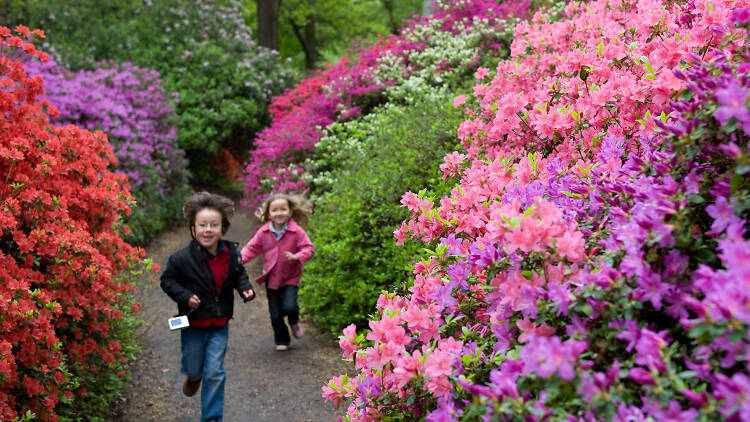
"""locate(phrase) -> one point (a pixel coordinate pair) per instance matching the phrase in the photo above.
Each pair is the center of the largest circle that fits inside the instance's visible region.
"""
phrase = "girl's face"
(279, 212)
(207, 229)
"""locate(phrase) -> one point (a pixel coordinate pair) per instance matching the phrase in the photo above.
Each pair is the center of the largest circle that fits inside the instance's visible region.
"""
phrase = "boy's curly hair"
(300, 207)
(202, 200)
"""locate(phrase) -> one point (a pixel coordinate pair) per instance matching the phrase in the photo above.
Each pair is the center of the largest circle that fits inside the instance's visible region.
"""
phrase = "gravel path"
(262, 384)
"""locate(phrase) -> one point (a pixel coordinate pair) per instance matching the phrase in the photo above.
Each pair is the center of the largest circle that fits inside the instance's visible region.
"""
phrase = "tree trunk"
(306, 36)
(388, 6)
(427, 8)
(268, 23)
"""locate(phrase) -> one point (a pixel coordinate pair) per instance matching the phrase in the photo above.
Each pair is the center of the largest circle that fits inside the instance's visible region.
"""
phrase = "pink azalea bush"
(592, 262)
(351, 87)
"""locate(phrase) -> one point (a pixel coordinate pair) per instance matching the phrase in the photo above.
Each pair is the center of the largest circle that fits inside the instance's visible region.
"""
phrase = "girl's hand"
(248, 294)
(194, 302)
(290, 256)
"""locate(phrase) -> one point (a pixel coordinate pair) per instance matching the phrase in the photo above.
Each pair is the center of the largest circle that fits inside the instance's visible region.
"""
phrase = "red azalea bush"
(66, 307)
(345, 90)
(592, 262)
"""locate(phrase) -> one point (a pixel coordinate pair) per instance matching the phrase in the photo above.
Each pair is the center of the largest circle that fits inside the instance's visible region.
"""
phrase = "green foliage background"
(362, 169)
(203, 49)
(338, 23)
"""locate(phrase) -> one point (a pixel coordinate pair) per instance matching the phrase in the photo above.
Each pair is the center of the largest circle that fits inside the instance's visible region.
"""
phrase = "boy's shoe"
(297, 330)
(190, 387)
(281, 347)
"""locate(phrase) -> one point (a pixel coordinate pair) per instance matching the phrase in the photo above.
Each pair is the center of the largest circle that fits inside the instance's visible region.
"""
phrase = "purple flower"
(445, 411)
(546, 356)
(504, 379)
(504, 335)
(740, 16)
(648, 350)
(627, 413)
(443, 295)
(458, 272)
(630, 333)
(652, 288)
(485, 254)
(673, 412)
(674, 263)
(722, 213)
(697, 400)
(733, 392)
(588, 388)
(454, 245)
(732, 99)
(641, 376)
(368, 387)
(561, 296)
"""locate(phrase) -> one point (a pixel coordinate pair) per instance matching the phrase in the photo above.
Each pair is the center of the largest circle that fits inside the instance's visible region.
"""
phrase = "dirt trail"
(262, 384)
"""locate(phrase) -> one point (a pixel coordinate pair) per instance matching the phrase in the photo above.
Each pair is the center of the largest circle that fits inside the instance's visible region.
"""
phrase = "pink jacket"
(279, 271)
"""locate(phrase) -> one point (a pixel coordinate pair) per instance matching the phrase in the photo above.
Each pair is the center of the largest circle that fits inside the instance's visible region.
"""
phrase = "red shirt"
(219, 267)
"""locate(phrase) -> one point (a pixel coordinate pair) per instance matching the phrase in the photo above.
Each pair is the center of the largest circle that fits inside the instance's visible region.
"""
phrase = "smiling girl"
(285, 248)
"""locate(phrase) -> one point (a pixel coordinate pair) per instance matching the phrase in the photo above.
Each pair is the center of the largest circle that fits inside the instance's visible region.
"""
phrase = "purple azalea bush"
(129, 104)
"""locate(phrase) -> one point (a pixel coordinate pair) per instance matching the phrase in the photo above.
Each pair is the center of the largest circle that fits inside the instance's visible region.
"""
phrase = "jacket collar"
(290, 227)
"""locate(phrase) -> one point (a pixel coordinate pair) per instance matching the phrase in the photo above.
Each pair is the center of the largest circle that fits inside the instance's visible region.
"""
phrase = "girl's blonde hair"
(300, 207)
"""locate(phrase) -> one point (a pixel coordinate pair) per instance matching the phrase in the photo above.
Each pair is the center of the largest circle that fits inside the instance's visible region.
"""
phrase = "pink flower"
(530, 329)
(346, 342)
(571, 246)
(481, 73)
(459, 100)
(452, 165)
(438, 364)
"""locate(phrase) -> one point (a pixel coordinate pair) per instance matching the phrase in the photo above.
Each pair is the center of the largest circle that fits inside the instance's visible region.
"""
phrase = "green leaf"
(736, 182)
(698, 331)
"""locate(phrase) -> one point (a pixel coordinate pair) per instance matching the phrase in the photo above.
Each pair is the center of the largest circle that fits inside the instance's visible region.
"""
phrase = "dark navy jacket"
(188, 273)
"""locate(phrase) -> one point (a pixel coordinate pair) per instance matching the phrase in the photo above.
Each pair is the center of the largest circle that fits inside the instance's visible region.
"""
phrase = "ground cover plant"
(592, 261)
(353, 87)
(67, 312)
(130, 105)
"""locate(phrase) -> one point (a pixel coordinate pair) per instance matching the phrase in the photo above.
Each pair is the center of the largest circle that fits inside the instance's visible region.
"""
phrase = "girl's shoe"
(297, 330)
(281, 347)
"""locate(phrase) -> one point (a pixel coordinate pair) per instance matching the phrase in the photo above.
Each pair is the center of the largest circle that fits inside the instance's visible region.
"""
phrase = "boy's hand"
(290, 256)
(248, 295)
(194, 302)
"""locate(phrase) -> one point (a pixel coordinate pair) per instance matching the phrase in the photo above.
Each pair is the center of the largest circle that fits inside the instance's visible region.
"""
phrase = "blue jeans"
(203, 351)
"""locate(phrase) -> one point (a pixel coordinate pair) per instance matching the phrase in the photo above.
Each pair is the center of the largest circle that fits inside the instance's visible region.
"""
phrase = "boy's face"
(207, 229)
(279, 212)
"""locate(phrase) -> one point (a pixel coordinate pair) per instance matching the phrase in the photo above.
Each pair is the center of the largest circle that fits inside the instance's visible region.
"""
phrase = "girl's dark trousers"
(282, 303)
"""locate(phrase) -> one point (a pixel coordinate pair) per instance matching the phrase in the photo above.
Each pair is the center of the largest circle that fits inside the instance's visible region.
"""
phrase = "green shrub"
(362, 168)
(204, 51)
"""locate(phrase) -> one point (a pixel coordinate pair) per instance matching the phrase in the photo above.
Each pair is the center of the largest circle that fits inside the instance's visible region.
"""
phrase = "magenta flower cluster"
(129, 104)
(340, 92)
(593, 261)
